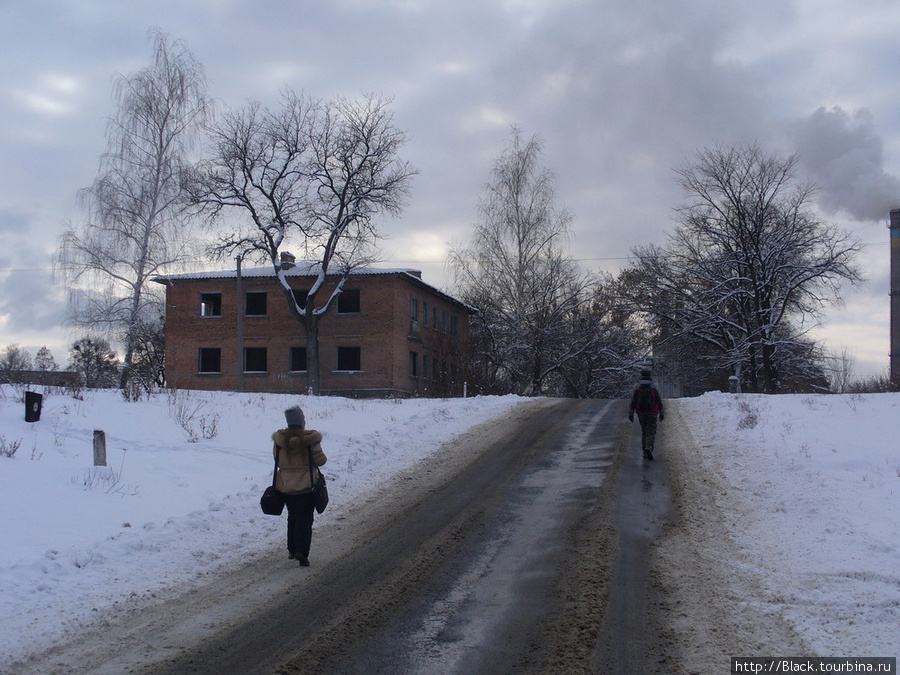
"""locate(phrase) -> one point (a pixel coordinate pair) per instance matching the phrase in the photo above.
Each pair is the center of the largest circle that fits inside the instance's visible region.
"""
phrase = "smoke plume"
(843, 155)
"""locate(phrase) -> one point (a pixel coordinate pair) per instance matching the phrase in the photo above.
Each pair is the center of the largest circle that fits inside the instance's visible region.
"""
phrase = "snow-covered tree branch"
(749, 268)
(313, 174)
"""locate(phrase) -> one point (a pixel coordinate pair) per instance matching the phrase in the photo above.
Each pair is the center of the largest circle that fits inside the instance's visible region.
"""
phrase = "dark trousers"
(648, 430)
(301, 509)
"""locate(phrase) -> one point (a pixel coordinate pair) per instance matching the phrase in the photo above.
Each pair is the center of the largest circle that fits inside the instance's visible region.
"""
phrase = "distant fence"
(46, 378)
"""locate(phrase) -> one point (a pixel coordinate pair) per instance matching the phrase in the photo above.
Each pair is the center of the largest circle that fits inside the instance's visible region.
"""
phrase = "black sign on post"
(32, 406)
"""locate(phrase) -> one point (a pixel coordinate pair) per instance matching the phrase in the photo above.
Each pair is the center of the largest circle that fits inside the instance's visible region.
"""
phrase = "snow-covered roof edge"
(311, 270)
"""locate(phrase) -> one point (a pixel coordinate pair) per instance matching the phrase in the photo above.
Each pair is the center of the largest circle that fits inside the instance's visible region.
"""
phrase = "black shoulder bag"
(319, 489)
(272, 501)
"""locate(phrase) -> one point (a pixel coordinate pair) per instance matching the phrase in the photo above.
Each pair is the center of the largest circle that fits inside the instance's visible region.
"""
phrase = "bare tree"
(516, 272)
(44, 360)
(136, 225)
(13, 360)
(615, 344)
(95, 362)
(840, 370)
(149, 357)
(312, 173)
(749, 268)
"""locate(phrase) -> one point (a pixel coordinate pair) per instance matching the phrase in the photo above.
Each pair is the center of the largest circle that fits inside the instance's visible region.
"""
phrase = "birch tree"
(517, 273)
(750, 266)
(137, 226)
(311, 174)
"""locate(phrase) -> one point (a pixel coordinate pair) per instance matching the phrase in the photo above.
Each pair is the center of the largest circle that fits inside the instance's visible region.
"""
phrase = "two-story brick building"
(389, 334)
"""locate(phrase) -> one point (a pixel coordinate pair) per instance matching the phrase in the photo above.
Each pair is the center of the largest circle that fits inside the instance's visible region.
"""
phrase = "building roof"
(300, 269)
(308, 269)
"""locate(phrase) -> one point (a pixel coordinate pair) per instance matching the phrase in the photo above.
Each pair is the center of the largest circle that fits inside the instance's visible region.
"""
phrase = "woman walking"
(294, 446)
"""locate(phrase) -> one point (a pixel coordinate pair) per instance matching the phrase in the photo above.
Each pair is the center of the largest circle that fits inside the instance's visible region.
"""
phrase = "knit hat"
(646, 374)
(294, 416)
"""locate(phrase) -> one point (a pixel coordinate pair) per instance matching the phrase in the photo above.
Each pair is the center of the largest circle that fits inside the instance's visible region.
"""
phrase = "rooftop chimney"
(288, 260)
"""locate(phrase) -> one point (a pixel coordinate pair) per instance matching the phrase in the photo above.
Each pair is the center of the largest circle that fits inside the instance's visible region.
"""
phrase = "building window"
(413, 365)
(444, 320)
(414, 309)
(435, 323)
(210, 360)
(425, 313)
(300, 295)
(454, 324)
(210, 304)
(298, 359)
(426, 366)
(255, 360)
(349, 358)
(255, 303)
(348, 301)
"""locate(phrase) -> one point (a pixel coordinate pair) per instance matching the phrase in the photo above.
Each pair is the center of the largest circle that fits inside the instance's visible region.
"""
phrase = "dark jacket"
(656, 406)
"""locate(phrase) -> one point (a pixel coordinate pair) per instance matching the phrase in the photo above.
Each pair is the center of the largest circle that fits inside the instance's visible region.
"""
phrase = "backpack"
(644, 399)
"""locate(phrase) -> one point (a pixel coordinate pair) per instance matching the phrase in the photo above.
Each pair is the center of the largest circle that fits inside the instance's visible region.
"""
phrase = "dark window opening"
(210, 304)
(349, 358)
(348, 301)
(210, 360)
(414, 309)
(255, 303)
(255, 360)
(298, 359)
(413, 364)
(300, 296)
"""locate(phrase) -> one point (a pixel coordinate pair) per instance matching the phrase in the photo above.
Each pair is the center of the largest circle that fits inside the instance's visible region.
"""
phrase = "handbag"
(319, 488)
(272, 501)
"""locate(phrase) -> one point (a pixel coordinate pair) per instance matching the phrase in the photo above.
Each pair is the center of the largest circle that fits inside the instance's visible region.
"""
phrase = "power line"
(417, 262)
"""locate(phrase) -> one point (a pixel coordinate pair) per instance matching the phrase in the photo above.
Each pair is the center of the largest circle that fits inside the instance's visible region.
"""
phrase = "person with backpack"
(299, 450)
(647, 403)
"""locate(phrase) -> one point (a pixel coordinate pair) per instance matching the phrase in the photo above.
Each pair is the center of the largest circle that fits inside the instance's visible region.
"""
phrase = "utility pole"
(239, 302)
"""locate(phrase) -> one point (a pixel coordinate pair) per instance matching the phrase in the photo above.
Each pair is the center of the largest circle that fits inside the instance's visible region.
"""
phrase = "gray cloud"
(621, 92)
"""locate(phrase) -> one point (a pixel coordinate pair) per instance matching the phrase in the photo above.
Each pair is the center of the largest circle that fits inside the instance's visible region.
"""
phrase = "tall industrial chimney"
(895, 296)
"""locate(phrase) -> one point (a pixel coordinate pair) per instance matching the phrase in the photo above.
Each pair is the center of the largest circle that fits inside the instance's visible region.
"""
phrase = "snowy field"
(810, 491)
(811, 482)
(180, 497)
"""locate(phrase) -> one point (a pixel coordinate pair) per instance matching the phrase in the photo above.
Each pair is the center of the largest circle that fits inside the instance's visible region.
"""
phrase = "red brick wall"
(382, 331)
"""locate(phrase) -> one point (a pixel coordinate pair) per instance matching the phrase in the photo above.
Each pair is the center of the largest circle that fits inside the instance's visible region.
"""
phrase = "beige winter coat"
(293, 460)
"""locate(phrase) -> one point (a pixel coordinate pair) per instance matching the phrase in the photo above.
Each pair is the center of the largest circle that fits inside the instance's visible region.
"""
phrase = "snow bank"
(812, 493)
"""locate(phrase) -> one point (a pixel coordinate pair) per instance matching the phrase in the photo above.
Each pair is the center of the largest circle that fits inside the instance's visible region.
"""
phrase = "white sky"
(621, 92)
